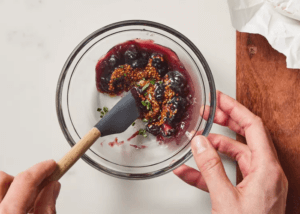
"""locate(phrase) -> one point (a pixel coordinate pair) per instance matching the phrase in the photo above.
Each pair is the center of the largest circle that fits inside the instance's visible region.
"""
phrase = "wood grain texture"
(272, 91)
(64, 164)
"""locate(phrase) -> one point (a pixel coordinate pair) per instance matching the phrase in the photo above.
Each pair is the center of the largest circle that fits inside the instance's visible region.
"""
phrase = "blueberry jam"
(161, 81)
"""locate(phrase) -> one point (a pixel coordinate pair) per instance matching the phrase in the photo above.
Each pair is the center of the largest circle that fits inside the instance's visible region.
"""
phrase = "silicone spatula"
(117, 120)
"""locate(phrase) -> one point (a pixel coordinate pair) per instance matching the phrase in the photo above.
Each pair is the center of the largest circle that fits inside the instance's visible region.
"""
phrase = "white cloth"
(277, 20)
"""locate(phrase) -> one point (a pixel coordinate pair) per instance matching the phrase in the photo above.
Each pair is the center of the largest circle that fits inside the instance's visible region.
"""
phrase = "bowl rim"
(78, 48)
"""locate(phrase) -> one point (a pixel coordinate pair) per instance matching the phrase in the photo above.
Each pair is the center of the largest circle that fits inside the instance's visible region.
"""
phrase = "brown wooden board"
(272, 91)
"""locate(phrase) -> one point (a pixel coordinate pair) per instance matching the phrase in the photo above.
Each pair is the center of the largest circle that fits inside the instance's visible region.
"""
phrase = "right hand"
(264, 186)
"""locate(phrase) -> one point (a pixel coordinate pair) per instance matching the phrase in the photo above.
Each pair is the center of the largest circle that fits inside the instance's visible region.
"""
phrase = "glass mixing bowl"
(77, 100)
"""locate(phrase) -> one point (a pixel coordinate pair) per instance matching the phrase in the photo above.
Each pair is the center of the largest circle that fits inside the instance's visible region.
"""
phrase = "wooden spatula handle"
(64, 164)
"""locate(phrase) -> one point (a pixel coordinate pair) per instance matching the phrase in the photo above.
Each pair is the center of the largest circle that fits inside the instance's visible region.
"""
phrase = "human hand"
(264, 186)
(19, 193)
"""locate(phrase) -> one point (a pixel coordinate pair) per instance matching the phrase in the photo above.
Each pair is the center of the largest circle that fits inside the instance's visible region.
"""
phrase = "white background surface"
(36, 37)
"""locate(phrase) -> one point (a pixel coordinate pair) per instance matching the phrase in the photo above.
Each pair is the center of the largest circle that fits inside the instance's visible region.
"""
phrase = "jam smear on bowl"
(161, 82)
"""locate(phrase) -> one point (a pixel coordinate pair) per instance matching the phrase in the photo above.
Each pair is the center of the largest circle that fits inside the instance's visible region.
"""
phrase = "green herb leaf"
(121, 66)
(142, 132)
(102, 112)
(144, 79)
(145, 120)
(99, 109)
(146, 103)
(152, 81)
(116, 78)
(145, 86)
(149, 106)
(105, 109)
(161, 82)
(125, 75)
(145, 94)
(101, 116)
(133, 124)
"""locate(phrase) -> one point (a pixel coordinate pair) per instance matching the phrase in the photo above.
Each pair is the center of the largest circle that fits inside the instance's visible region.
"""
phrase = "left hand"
(19, 193)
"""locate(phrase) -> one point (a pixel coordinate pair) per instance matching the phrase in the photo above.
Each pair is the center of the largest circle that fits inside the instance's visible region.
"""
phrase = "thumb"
(46, 200)
(210, 166)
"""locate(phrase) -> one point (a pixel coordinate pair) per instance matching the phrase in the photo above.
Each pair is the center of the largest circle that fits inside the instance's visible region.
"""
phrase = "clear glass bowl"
(77, 100)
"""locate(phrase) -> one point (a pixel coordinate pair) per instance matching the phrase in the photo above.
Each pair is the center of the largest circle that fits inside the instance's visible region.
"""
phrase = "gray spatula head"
(121, 116)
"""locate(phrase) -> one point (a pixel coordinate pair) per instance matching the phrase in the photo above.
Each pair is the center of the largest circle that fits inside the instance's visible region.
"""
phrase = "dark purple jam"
(161, 82)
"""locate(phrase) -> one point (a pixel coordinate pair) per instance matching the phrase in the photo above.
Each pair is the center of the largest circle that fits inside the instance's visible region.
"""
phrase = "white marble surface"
(36, 37)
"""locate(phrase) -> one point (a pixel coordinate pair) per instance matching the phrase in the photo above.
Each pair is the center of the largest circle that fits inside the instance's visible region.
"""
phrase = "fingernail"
(201, 110)
(50, 161)
(199, 144)
(192, 132)
(56, 190)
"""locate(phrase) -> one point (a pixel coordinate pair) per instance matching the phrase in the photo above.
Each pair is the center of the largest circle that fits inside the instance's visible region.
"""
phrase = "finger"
(222, 119)
(255, 133)
(211, 167)
(46, 200)
(233, 149)
(272, 144)
(191, 177)
(5, 181)
(23, 190)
